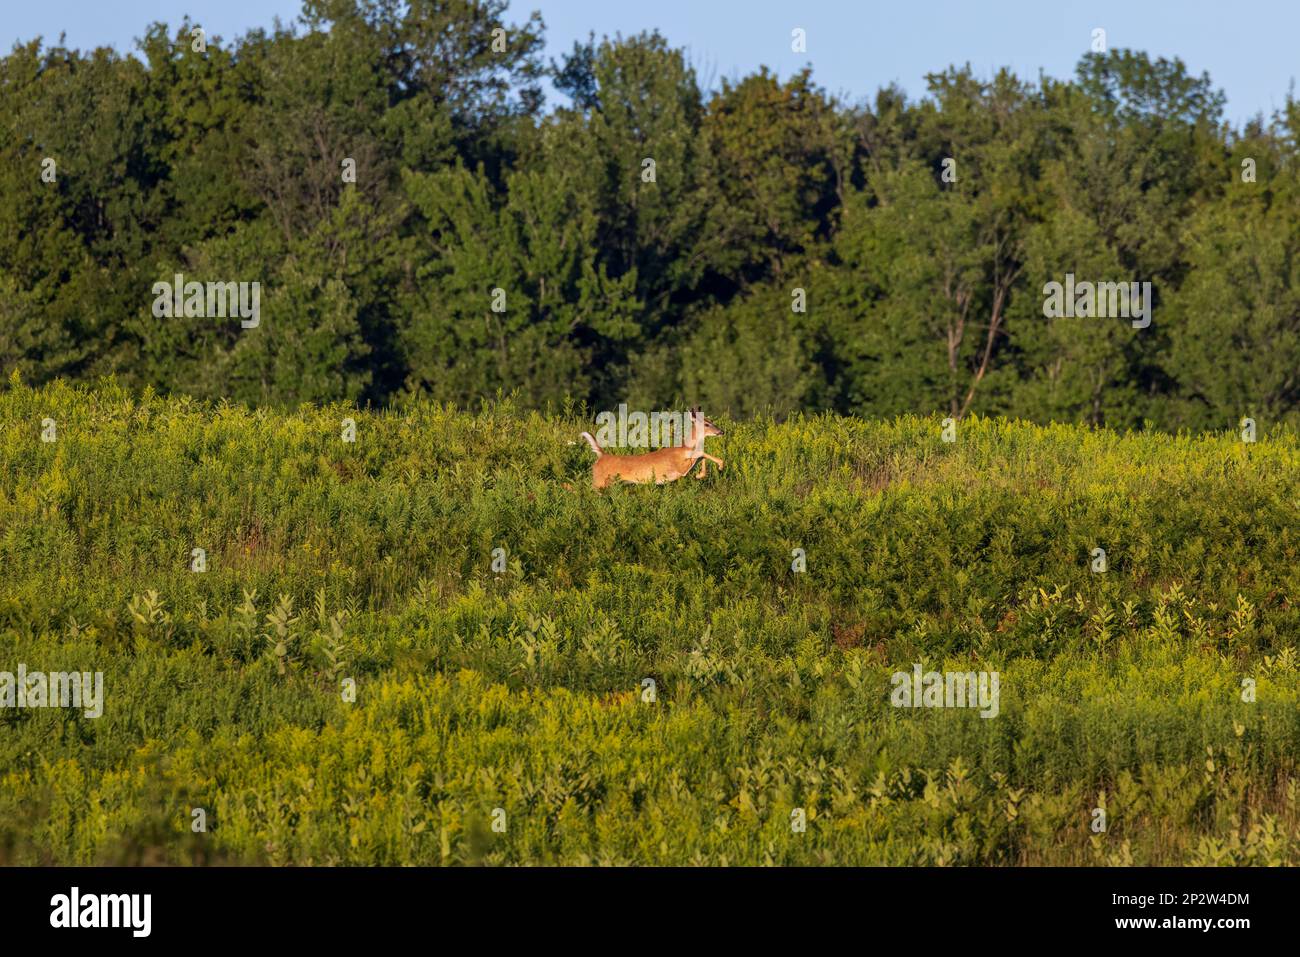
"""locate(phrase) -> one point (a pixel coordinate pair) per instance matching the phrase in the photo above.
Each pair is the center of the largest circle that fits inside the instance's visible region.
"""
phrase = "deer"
(662, 465)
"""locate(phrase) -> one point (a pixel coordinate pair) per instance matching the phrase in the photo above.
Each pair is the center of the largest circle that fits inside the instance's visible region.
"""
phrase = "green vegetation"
(522, 690)
(437, 644)
(923, 292)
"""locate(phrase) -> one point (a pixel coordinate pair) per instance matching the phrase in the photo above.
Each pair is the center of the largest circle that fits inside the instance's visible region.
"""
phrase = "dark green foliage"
(924, 291)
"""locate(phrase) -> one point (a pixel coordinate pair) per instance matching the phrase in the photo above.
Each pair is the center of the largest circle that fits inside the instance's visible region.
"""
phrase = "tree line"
(424, 220)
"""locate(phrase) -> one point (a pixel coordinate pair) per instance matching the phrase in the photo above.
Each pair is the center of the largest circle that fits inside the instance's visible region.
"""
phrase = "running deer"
(660, 466)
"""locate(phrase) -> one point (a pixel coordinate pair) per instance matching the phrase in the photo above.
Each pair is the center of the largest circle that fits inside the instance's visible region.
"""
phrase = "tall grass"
(519, 697)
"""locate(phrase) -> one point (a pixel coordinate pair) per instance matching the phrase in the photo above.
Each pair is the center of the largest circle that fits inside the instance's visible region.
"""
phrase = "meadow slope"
(522, 690)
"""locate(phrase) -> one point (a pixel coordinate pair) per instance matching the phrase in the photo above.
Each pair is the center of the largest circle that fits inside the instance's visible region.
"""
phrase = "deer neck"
(696, 449)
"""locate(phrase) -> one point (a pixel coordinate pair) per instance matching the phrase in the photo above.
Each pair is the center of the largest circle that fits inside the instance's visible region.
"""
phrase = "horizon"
(1247, 63)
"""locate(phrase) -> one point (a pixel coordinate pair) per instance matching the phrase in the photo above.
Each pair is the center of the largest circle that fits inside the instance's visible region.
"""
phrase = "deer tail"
(592, 442)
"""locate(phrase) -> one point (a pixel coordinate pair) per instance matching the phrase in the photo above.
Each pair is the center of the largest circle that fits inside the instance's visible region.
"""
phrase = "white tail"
(592, 442)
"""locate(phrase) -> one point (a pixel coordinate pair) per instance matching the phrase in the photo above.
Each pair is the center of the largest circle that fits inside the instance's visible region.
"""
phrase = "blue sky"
(854, 46)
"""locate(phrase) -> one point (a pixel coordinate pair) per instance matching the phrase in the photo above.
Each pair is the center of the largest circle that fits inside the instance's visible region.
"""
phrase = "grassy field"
(503, 716)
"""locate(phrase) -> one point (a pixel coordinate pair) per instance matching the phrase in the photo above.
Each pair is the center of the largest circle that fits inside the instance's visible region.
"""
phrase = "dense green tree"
(1235, 321)
(513, 291)
(383, 167)
(779, 165)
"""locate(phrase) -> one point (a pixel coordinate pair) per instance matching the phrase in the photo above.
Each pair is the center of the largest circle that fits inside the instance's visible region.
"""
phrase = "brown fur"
(660, 466)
